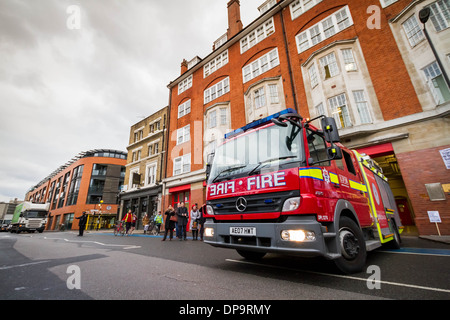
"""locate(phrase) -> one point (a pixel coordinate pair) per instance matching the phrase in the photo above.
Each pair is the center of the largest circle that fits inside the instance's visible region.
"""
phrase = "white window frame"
(299, 7)
(438, 17)
(217, 90)
(183, 134)
(150, 169)
(387, 3)
(259, 97)
(266, 6)
(223, 116)
(340, 101)
(340, 21)
(349, 60)
(329, 61)
(413, 32)
(182, 164)
(274, 97)
(257, 35)
(362, 105)
(432, 72)
(185, 84)
(313, 78)
(130, 178)
(261, 65)
(212, 119)
(184, 108)
(215, 64)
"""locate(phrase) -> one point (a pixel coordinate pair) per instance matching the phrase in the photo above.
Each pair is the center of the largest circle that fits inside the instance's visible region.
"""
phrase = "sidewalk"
(442, 239)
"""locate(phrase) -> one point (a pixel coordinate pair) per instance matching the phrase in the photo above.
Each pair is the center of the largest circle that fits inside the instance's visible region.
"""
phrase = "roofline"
(275, 9)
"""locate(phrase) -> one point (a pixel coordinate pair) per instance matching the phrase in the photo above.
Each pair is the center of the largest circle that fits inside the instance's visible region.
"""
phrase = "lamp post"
(424, 15)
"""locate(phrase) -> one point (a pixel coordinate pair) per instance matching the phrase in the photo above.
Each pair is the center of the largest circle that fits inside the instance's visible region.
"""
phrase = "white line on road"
(23, 265)
(343, 276)
(125, 247)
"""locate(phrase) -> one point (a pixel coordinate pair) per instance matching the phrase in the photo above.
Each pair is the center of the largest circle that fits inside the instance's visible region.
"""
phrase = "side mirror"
(330, 130)
(209, 160)
(208, 170)
(334, 152)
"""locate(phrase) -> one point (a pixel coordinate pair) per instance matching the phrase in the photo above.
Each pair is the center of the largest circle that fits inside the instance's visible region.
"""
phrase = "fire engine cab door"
(352, 187)
(377, 205)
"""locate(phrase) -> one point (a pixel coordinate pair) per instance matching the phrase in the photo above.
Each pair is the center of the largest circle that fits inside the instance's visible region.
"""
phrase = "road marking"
(23, 265)
(125, 246)
(342, 276)
(419, 251)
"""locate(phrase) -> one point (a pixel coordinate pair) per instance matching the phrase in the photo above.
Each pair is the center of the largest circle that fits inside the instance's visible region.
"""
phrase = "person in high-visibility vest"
(158, 221)
(128, 220)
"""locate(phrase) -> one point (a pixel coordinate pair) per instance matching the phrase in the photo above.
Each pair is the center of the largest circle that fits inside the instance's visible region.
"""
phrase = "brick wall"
(419, 168)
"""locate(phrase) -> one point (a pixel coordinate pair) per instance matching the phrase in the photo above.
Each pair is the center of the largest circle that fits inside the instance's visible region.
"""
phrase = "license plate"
(243, 231)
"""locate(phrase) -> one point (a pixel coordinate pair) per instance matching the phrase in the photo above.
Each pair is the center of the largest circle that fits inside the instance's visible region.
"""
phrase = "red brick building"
(366, 63)
(89, 182)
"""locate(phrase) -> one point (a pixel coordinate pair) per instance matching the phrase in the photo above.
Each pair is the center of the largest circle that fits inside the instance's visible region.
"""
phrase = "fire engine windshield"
(271, 148)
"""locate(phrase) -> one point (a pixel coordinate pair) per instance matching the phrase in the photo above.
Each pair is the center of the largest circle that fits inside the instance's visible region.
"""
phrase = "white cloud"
(65, 91)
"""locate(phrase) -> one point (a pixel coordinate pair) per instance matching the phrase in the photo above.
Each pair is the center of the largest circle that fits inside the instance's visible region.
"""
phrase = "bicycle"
(153, 228)
(120, 228)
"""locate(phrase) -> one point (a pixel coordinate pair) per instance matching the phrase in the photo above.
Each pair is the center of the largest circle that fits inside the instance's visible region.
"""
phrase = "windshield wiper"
(228, 170)
(258, 166)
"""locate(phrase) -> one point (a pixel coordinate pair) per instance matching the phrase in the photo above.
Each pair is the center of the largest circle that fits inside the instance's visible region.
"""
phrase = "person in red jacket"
(128, 220)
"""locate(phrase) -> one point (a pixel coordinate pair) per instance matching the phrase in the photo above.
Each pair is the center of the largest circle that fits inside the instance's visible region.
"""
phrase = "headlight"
(298, 235)
(209, 232)
(291, 204)
(209, 210)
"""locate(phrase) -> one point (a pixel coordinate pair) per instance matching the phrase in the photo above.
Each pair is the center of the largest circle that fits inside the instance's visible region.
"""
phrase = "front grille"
(248, 241)
(34, 223)
(259, 203)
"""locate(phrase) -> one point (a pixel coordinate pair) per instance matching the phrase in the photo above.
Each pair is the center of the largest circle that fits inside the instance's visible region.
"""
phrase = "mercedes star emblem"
(241, 204)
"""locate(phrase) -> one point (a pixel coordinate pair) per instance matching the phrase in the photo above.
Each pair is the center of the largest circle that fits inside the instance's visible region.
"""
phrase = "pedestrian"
(195, 216)
(128, 220)
(158, 221)
(133, 223)
(201, 221)
(183, 214)
(82, 223)
(169, 224)
(146, 223)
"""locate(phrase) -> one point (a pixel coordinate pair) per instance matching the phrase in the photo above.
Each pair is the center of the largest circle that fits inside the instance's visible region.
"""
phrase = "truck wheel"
(251, 255)
(352, 246)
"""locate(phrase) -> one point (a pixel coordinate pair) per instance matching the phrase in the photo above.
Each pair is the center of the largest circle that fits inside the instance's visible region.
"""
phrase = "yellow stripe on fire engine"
(358, 186)
(311, 173)
(334, 178)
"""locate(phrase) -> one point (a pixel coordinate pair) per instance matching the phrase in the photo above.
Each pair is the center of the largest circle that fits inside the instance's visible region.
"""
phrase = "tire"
(352, 246)
(115, 231)
(251, 255)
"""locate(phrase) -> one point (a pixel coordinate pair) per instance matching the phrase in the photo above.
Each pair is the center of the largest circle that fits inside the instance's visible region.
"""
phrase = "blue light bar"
(258, 123)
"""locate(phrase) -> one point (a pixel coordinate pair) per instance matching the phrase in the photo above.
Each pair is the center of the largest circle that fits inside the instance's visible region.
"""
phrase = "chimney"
(234, 18)
(184, 66)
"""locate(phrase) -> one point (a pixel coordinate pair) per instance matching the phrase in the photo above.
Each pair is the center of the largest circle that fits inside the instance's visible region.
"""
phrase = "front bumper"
(268, 237)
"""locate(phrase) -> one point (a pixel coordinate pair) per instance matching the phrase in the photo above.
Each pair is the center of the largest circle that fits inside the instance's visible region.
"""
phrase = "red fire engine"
(282, 185)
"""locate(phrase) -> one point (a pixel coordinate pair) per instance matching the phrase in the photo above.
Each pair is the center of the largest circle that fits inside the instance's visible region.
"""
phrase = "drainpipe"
(288, 61)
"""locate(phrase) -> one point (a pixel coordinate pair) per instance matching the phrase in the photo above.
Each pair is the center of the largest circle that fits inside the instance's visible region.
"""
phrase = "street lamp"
(424, 15)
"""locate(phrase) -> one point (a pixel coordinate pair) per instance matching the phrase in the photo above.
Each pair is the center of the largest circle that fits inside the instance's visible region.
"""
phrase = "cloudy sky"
(69, 85)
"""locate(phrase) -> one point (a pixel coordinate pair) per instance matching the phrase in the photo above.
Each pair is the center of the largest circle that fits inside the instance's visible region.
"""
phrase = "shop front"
(140, 202)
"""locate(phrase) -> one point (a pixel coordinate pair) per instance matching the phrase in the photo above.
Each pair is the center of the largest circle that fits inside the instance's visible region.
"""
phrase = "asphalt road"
(103, 267)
